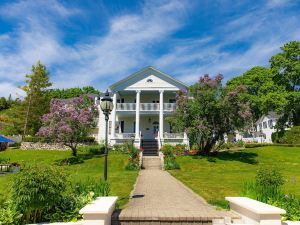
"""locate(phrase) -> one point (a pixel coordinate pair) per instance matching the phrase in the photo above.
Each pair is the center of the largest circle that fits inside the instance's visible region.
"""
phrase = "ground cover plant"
(214, 177)
(120, 181)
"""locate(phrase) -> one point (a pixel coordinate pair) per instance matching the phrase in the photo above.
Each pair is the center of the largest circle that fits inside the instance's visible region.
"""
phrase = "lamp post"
(106, 106)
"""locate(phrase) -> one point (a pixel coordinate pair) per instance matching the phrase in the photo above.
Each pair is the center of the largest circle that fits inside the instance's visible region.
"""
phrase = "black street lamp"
(106, 106)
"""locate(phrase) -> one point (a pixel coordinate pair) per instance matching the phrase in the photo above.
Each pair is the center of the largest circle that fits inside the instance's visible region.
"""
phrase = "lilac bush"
(69, 122)
(208, 111)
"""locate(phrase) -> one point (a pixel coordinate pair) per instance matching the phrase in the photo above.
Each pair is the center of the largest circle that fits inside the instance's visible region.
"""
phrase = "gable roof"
(141, 72)
(271, 115)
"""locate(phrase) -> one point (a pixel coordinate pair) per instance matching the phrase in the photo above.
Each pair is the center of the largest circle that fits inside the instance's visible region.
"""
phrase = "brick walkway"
(160, 197)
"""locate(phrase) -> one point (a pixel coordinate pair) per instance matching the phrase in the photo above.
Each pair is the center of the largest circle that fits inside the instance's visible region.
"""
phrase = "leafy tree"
(12, 119)
(207, 112)
(69, 122)
(263, 93)
(285, 67)
(72, 92)
(4, 104)
(36, 101)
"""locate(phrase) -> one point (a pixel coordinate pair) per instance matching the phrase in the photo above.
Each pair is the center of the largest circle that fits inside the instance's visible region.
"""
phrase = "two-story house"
(142, 101)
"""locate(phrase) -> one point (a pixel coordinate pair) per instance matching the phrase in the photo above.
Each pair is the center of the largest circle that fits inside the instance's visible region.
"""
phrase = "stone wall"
(43, 146)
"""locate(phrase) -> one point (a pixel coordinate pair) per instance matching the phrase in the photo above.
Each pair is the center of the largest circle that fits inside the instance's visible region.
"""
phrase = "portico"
(142, 102)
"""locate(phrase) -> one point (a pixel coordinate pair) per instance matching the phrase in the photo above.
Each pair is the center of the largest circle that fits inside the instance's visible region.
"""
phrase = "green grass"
(121, 181)
(223, 175)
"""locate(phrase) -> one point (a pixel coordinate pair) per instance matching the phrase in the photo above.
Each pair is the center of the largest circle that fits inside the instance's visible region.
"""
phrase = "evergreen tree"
(37, 100)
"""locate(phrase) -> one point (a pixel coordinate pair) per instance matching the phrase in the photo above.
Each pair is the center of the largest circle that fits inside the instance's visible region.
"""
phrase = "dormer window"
(149, 80)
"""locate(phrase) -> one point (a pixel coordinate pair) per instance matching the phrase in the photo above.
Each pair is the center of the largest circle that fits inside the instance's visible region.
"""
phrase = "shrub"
(170, 163)
(268, 182)
(179, 149)
(291, 136)
(133, 161)
(101, 188)
(37, 188)
(9, 214)
(93, 149)
(291, 204)
(267, 188)
(169, 157)
(167, 150)
(68, 208)
(256, 145)
(4, 160)
(122, 148)
(82, 193)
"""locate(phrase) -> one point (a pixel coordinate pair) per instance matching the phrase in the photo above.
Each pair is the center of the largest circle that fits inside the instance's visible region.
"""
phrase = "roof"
(270, 115)
(5, 140)
(111, 87)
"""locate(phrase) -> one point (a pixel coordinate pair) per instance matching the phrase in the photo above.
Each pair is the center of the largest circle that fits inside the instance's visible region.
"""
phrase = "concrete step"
(151, 162)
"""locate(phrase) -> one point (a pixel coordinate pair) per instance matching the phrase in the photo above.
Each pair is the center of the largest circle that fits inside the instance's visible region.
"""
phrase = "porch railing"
(125, 135)
(174, 135)
(145, 106)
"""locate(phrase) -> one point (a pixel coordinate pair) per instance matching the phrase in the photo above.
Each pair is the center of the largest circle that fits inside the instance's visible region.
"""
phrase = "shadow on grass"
(80, 158)
(244, 157)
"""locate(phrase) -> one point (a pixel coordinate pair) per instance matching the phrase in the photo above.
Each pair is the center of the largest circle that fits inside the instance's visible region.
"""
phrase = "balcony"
(168, 107)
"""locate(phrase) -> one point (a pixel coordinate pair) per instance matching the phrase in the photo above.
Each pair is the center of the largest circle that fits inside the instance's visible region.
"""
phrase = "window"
(171, 129)
(260, 126)
(122, 126)
(149, 80)
(120, 100)
(172, 100)
(265, 125)
(270, 124)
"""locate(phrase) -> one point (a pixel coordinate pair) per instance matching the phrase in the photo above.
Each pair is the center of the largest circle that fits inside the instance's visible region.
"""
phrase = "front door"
(155, 126)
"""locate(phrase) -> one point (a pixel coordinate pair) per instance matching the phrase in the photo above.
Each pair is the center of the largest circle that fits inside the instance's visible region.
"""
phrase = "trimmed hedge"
(256, 145)
(291, 136)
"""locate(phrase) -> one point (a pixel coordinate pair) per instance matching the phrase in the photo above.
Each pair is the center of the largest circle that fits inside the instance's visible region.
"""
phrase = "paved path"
(159, 196)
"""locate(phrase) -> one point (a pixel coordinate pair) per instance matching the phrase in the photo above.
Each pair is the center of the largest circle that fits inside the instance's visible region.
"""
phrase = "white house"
(142, 101)
(266, 126)
(262, 132)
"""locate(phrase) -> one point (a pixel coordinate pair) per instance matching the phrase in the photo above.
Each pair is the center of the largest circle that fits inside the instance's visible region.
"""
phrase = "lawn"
(223, 175)
(121, 181)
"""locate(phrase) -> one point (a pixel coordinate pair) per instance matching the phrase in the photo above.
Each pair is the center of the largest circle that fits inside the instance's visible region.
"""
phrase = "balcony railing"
(145, 106)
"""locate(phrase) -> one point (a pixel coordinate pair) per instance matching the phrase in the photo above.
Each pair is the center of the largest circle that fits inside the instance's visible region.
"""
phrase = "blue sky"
(98, 42)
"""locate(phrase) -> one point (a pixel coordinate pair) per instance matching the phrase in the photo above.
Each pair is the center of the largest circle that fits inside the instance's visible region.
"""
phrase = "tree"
(36, 101)
(263, 93)
(207, 112)
(285, 67)
(72, 92)
(4, 104)
(69, 122)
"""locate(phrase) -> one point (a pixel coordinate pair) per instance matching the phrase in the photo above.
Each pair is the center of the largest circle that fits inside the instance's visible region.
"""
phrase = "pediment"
(148, 78)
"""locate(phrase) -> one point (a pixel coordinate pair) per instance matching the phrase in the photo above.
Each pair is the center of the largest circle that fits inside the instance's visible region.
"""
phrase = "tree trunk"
(74, 151)
(26, 116)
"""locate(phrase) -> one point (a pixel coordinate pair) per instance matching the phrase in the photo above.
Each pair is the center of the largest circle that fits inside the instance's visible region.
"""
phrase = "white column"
(137, 115)
(161, 113)
(113, 116)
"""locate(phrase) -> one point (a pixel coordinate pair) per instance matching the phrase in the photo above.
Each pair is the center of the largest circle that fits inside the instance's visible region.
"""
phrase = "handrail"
(159, 141)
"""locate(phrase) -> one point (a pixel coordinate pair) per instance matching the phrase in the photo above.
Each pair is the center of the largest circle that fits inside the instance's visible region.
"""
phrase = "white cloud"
(123, 47)
(129, 39)
(9, 88)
